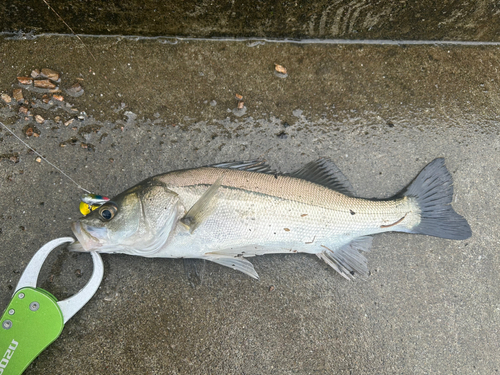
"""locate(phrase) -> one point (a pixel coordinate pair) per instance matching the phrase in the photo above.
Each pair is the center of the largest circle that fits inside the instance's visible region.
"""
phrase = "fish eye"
(108, 211)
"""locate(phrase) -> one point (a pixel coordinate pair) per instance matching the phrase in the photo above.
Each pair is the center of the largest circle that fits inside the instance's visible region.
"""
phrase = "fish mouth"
(86, 241)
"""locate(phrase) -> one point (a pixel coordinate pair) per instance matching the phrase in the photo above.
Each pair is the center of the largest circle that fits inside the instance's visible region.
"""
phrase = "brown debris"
(6, 98)
(396, 223)
(50, 74)
(46, 99)
(280, 68)
(59, 98)
(75, 90)
(271, 288)
(238, 97)
(25, 80)
(241, 105)
(23, 110)
(31, 130)
(69, 122)
(44, 84)
(18, 95)
(39, 119)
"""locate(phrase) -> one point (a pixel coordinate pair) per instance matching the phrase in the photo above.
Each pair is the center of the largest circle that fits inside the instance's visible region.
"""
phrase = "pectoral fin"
(202, 208)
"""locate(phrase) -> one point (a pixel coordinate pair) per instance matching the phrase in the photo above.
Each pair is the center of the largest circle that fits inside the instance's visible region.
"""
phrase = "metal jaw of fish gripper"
(34, 318)
(73, 304)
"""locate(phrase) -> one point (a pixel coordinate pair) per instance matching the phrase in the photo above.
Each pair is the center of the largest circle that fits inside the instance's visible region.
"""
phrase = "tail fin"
(433, 191)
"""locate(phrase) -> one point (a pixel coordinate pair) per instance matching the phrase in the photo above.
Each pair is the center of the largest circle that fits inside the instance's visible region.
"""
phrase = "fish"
(228, 212)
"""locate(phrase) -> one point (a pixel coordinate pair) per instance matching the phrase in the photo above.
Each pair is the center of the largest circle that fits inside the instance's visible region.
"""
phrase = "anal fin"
(348, 259)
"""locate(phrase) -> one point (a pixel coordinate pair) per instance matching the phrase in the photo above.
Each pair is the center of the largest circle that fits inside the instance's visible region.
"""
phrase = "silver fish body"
(228, 212)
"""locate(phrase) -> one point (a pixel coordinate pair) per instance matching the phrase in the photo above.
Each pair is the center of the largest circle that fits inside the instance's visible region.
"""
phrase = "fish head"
(137, 221)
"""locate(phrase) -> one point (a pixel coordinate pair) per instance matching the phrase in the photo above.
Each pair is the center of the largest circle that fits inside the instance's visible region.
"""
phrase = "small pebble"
(58, 97)
(280, 71)
(6, 98)
(39, 119)
(282, 135)
(18, 95)
(29, 132)
(241, 105)
(69, 122)
(75, 90)
(25, 80)
(39, 159)
(46, 99)
(271, 288)
(50, 74)
(35, 73)
(23, 109)
(14, 159)
(44, 84)
(57, 118)
(280, 68)
(239, 97)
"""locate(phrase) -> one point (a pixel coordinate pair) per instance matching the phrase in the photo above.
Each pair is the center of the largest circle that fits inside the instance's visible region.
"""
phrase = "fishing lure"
(90, 202)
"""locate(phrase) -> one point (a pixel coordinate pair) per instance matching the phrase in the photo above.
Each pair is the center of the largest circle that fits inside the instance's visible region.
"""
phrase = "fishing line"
(36, 152)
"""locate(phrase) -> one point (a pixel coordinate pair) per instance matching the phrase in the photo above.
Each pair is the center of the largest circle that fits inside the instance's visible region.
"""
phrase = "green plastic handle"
(31, 322)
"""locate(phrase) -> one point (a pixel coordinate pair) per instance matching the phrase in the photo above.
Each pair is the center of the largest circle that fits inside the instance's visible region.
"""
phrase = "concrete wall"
(345, 19)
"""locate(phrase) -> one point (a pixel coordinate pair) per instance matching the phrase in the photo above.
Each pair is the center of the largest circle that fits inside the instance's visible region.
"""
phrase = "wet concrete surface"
(345, 19)
(380, 112)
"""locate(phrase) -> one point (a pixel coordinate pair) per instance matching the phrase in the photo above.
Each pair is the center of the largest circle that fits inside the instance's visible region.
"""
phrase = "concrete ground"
(380, 112)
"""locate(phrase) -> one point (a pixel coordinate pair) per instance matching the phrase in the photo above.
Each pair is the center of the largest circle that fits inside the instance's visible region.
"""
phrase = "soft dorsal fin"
(324, 172)
(248, 165)
(202, 208)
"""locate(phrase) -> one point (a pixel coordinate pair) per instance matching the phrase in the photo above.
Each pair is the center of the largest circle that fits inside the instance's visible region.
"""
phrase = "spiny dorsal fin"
(324, 172)
(202, 208)
(248, 165)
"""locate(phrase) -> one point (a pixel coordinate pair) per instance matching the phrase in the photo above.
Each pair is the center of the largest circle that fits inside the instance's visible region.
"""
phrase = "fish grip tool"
(34, 318)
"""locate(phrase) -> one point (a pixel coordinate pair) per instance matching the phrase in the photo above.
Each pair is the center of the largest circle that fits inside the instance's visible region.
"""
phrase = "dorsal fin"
(248, 165)
(324, 172)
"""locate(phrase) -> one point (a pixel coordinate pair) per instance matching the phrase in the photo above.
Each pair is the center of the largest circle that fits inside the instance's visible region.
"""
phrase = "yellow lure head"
(90, 202)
